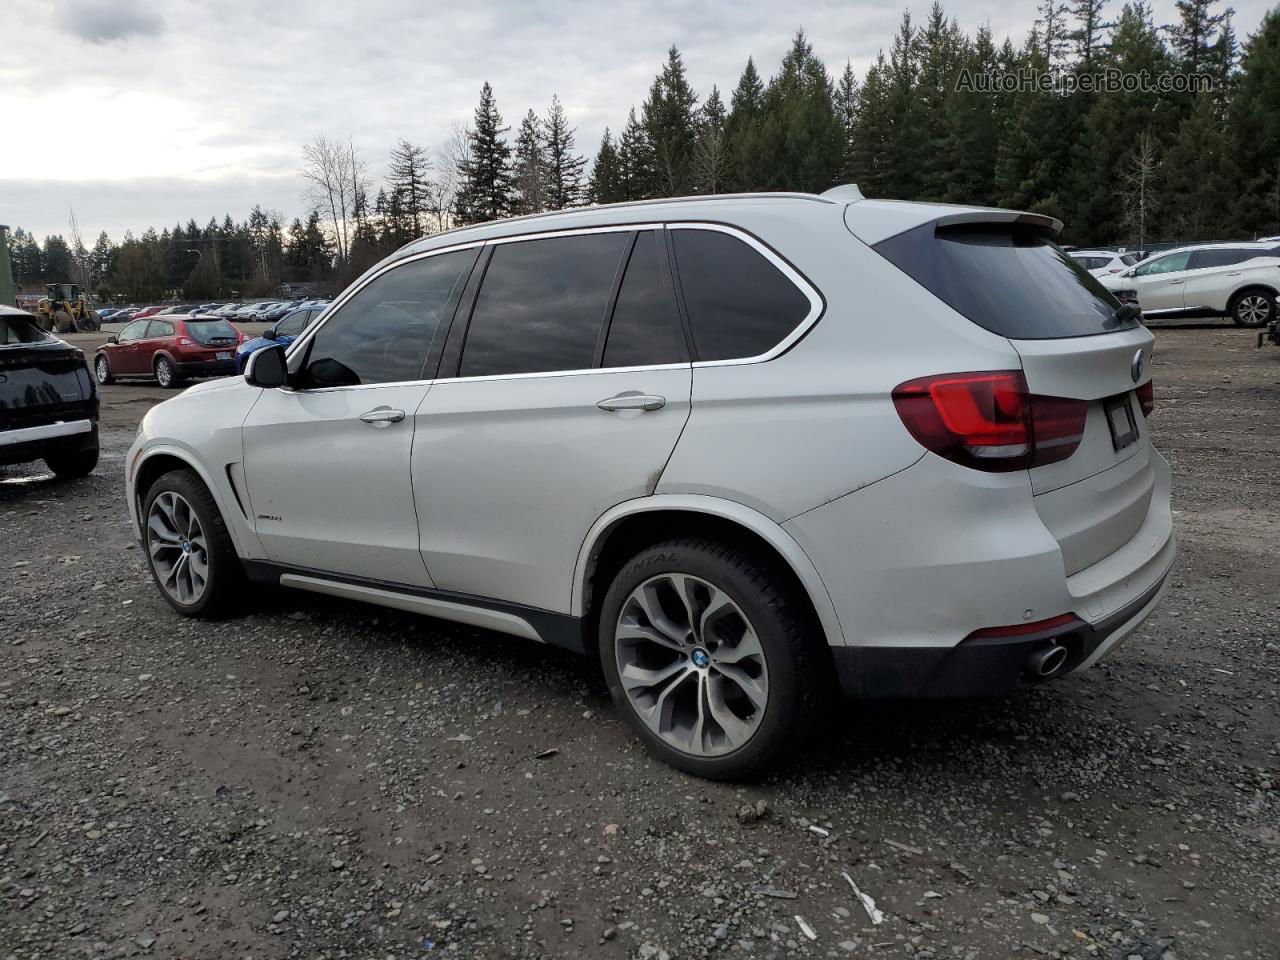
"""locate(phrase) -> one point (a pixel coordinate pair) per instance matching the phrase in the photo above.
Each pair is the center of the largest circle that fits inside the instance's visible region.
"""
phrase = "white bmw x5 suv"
(742, 449)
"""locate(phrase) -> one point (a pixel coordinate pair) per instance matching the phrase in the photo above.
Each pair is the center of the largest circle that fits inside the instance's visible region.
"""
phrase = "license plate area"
(224, 355)
(1121, 421)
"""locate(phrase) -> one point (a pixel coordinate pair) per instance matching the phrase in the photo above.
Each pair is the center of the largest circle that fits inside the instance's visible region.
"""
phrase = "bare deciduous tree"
(333, 174)
(451, 158)
(79, 254)
(1137, 180)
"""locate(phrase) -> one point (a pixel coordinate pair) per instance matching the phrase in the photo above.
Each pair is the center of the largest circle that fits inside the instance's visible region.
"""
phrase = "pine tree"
(1199, 170)
(846, 104)
(485, 175)
(101, 258)
(605, 185)
(800, 145)
(530, 171)
(669, 121)
(564, 168)
(635, 160)
(1255, 129)
(409, 182)
(1054, 34)
(708, 166)
(1087, 35)
(869, 156)
(741, 127)
(1193, 35)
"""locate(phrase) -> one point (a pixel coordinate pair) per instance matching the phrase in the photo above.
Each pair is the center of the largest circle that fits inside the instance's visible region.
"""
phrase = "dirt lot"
(322, 779)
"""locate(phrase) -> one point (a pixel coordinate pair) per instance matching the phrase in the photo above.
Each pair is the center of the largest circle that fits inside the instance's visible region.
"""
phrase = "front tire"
(1253, 308)
(102, 370)
(189, 551)
(707, 654)
(166, 373)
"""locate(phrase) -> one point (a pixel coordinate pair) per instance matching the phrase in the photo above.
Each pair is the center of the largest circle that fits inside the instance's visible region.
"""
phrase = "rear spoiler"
(1038, 222)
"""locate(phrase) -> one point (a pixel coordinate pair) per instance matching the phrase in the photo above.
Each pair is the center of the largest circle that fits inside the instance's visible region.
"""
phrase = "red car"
(147, 312)
(169, 349)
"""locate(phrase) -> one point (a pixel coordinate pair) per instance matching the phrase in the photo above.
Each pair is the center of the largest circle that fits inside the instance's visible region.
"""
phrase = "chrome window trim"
(816, 304)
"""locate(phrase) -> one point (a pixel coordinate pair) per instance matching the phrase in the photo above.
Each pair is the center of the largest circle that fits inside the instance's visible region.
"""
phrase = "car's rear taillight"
(1147, 397)
(990, 421)
(185, 342)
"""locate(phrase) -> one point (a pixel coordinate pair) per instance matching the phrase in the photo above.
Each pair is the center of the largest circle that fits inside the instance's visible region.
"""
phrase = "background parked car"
(1100, 263)
(169, 349)
(1237, 280)
(283, 333)
(148, 311)
(48, 401)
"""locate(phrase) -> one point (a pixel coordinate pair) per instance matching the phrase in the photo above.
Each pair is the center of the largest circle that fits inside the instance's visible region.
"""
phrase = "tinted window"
(740, 304)
(645, 328)
(1224, 257)
(211, 331)
(293, 324)
(20, 330)
(133, 331)
(541, 305)
(1009, 278)
(384, 332)
(160, 328)
(1165, 264)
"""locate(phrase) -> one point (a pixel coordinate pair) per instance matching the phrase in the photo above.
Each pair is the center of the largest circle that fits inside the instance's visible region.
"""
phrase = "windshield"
(1008, 278)
(20, 330)
(208, 331)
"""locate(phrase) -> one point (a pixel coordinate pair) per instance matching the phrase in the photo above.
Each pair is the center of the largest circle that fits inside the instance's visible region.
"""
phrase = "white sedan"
(1100, 263)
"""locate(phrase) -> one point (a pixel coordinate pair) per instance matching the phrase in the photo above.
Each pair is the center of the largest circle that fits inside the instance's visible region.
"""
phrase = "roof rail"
(847, 192)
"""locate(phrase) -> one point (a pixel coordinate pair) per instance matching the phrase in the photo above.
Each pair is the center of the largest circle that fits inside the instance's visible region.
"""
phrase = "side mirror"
(267, 368)
(112, 339)
(269, 333)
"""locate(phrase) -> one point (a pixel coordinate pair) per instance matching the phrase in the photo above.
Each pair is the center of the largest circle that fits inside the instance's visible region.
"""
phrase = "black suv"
(48, 400)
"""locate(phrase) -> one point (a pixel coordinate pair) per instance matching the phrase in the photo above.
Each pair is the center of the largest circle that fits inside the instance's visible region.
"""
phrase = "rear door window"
(645, 329)
(740, 305)
(1218, 258)
(1009, 278)
(542, 304)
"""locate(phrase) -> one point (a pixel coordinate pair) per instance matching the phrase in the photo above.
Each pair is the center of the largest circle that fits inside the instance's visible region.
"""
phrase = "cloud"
(95, 21)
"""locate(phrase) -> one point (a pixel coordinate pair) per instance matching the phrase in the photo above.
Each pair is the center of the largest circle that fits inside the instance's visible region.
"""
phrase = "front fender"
(744, 516)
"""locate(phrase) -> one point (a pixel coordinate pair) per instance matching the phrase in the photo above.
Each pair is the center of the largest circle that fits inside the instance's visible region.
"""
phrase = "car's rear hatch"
(42, 380)
(1074, 340)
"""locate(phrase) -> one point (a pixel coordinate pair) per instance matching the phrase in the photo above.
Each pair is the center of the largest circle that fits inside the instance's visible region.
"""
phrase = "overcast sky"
(140, 114)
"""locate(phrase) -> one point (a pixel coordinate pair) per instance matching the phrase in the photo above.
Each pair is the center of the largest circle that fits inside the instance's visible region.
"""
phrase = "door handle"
(382, 416)
(1235, 273)
(1174, 283)
(633, 401)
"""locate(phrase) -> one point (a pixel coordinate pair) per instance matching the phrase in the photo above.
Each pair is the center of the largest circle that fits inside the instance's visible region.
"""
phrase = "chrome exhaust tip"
(1048, 661)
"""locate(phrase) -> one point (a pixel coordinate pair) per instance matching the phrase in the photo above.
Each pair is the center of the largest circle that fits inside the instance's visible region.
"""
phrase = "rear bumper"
(35, 443)
(982, 667)
(919, 562)
(206, 368)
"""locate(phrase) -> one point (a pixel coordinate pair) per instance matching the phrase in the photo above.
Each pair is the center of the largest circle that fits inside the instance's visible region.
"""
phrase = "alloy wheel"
(178, 549)
(691, 664)
(1253, 310)
(103, 370)
(164, 373)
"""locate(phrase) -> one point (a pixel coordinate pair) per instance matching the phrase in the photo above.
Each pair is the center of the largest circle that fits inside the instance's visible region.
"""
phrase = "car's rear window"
(207, 331)
(18, 330)
(1008, 278)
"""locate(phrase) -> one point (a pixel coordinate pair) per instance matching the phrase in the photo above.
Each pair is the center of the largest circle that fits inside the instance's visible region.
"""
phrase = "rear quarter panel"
(785, 435)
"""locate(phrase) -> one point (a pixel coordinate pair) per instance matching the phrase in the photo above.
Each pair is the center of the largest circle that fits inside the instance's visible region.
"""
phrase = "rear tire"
(73, 465)
(63, 322)
(166, 374)
(1255, 307)
(189, 551)
(102, 370)
(731, 673)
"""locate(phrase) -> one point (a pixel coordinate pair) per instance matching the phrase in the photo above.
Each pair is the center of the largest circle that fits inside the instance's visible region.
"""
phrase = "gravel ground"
(324, 779)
